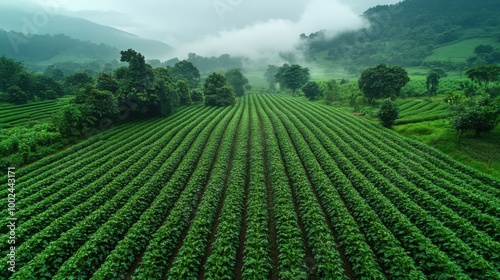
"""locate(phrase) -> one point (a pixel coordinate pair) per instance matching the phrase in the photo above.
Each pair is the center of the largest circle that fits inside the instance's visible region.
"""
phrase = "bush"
(388, 113)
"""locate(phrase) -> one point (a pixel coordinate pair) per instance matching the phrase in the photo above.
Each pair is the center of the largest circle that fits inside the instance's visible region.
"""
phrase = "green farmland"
(273, 187)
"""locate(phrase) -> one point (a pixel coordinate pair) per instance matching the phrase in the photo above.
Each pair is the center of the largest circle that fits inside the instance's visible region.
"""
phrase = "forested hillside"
(409, 32)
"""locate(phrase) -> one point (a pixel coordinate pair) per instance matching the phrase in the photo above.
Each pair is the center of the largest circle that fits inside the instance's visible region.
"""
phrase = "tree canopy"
(292, 77)
(382, 81)
(237, 81)
(217, 91)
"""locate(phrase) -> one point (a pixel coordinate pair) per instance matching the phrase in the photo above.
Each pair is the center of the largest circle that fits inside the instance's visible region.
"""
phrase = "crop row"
(96, 218)
(428, 258)
(329, 264)
(435, 230)
(387, 249)
(164, 243)
(442, 181)
(221, 262)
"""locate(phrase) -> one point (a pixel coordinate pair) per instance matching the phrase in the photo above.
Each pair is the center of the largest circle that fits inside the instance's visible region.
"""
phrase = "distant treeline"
(34, 48)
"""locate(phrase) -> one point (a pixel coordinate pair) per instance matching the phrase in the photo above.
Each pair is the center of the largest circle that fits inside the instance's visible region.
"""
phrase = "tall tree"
(312, 90)
(292, 77)
(183, 90)
(217, 92)
(432, 82)
(237, 81)
(186, 70)
(382, 81)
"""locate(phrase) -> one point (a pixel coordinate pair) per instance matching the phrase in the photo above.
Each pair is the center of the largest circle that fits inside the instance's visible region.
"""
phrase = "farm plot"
(271, 188)
(415, 111)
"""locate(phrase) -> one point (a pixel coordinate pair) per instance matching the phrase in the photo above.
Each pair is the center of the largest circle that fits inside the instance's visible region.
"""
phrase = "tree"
(216, 91)
(312, 90)
(107, 82)
(292, 77)
(331, 91)
(270, 76)
(98, 104)
(196, 95)
(182, 87)
(237, 81)
(484, 74)
(79, 80)
(225, 96)
(432, 83)
(16, 95)
(186, 70)
(481, 115)
(388, 112)
(382, 81)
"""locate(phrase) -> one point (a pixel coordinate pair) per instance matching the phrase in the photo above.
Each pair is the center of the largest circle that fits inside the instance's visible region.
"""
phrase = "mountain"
(434, 33)
(40, 22)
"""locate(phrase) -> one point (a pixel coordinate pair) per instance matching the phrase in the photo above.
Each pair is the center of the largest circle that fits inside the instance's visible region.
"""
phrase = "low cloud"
(265, 40)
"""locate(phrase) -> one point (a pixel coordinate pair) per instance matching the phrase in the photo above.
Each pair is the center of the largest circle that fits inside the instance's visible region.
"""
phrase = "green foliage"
(388, 112)
(186, 70)
(382, 81)
(270, 76)
(478, 115)
(331, 91)
(183, 90)
(237, 81)
(16, 95)
(217, 92)
(432, 83)
(292, 77)
(107, 82)
(484, 74)
(197, 95)
(312, 90)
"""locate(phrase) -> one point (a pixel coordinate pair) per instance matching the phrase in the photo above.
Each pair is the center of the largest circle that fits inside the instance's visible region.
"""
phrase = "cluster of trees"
(480, 112)
(19, 86)
(292, 77)
(221, 90)
(207, 65)
(135, 90)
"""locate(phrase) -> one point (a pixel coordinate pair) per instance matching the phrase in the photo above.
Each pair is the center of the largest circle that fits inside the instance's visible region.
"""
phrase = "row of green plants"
(428, 224)
(221, 261)
(328, 262)
(257, 261)
(166, 241)
(186, 263)
(438, 229)
(130, 192)
(427, 256)
(121, 255)
(390, 256)
(290, 245)
(429, 179)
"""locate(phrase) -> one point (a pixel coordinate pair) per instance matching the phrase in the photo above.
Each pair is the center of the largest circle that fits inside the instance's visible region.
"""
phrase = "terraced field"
(271, 188)
(415, 111)
(16, 115)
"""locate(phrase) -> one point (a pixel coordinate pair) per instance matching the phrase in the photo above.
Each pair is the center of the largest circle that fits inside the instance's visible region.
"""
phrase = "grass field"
(271, 188)
(460, 51)
(17, 115)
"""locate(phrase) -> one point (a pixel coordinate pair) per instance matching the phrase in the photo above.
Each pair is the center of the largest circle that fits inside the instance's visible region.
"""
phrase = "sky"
(207, 27)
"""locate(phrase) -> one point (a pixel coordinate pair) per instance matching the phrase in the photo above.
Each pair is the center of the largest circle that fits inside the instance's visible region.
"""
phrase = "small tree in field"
(432, 83)
(382, 81)
(312, 90)
(388, 113)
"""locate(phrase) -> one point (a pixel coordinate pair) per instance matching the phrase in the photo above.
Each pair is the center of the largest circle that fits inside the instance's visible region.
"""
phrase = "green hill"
(431, 33)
